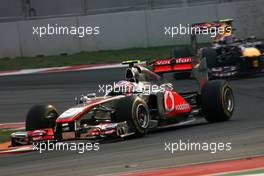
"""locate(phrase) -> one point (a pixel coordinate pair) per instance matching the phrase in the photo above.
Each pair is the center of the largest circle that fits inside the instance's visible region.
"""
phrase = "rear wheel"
(41, 117)
(217, 101)
(135, 112)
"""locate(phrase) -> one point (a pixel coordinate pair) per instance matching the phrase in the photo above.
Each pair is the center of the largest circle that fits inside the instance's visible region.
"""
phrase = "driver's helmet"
(226, 34)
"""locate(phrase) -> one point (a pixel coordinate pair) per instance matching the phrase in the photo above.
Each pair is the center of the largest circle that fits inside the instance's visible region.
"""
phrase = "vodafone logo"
(169, 101)
(163, 62)
(170, 105)
(182, 107)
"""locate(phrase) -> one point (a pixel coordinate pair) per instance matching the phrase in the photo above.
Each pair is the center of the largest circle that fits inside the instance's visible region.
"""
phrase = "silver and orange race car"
(133, 106)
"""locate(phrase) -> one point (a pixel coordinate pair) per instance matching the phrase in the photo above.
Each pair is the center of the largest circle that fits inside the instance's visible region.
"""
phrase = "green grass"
(84, 58)
(111, 56)
(5, 135)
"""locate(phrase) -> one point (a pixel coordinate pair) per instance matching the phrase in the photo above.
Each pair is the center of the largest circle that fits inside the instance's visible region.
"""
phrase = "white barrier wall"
(9, 40)
(56, 7)
(117, 31)
(33, 45)
(158, 19)
(127, 29)
(249, 17)
(11, 8)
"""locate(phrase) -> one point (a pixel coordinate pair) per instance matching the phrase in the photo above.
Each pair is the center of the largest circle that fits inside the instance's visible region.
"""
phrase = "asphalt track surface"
(245, 130)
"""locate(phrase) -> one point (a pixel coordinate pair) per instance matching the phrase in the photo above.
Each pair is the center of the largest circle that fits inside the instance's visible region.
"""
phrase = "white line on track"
(59, 69)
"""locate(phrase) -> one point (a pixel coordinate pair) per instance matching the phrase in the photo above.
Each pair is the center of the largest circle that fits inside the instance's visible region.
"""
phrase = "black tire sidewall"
(37, 117)
(137, 127)
(212, 99)
(126, 111)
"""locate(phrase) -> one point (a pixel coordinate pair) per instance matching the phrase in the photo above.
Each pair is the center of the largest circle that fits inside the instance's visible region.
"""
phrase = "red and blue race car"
(228, 55)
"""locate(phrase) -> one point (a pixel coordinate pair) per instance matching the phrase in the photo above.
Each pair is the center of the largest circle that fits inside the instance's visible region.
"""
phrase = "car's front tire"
(135, 112)
(217, 101)
(41, 117)
(14, 143)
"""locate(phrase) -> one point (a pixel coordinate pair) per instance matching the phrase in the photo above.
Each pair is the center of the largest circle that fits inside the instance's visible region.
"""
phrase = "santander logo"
(183, 60)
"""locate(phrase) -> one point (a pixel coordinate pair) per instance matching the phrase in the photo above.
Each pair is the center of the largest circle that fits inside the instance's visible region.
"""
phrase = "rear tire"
(135, 112)
(41, 117)
(261, 47)
(217, 101)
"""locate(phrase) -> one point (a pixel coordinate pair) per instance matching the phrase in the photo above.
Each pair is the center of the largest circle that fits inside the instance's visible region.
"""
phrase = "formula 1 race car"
(229, 55)
(133, 106)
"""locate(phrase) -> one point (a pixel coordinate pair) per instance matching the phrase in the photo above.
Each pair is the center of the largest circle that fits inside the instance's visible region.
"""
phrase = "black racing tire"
(180, 52)
(58, 132)
(217, 101)
(14, 143)
(261, 47)
(41, 117)
(211, 57)
(135, 112)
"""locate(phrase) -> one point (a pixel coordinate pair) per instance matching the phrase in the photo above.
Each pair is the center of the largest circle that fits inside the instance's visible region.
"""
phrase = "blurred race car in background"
(227, 56)
(141, 102)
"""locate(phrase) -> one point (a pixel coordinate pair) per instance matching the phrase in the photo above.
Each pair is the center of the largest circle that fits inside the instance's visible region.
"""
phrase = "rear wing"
(198, 67)
(172, 65)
